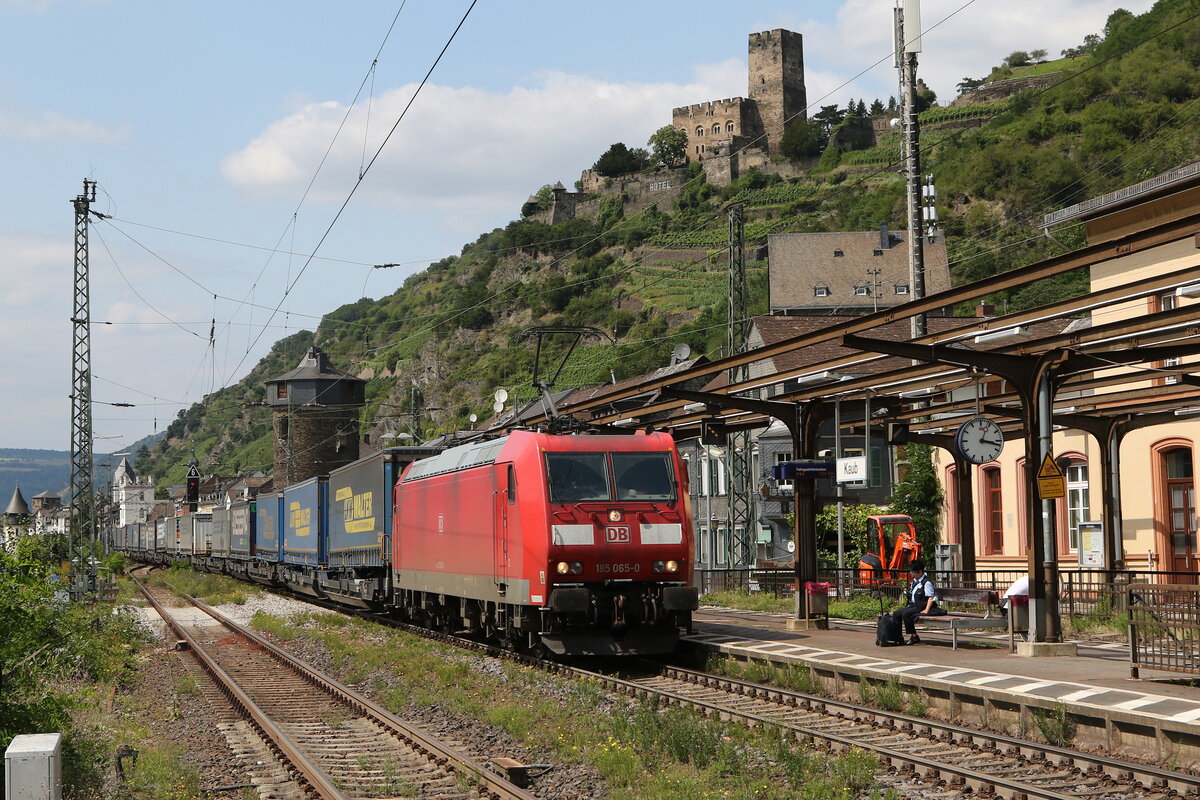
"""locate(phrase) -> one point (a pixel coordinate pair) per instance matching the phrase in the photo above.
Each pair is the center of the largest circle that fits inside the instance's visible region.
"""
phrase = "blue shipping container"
(360, 511)
(270, 527)
(305, 507)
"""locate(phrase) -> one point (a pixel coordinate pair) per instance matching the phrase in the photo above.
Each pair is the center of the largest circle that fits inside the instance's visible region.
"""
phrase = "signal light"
(666, 566)
(569, 568)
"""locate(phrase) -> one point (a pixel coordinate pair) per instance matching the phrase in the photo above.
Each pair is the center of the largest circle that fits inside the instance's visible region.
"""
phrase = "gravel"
(190, 722)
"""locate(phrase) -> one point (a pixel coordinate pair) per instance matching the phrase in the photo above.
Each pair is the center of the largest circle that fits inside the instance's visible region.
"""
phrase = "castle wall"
(776, 81)
(714, 123)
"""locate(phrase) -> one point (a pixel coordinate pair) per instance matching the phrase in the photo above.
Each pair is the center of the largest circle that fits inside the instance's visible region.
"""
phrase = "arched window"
(716, 128)
(993, 511)
(838, 253)
(699, 130)
(729, 126)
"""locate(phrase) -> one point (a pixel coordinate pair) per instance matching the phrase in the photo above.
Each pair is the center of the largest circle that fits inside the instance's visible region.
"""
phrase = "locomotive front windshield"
(584, 477)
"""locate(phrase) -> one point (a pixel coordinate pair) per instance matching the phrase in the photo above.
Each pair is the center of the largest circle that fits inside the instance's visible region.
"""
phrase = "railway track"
(960, 760)
(328, 741)
(927, 758)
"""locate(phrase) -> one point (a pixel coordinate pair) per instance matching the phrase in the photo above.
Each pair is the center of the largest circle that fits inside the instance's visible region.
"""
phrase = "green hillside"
(1120, 108)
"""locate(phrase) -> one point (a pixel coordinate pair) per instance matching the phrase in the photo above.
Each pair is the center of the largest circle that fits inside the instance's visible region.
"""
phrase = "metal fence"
(1082, 593)
(1164, 627)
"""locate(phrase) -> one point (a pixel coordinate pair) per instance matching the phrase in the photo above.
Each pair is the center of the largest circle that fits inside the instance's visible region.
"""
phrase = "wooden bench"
(959, 620)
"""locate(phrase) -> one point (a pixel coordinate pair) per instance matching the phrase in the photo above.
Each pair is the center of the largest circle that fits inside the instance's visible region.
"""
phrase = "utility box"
(946, 558)
(33, 767)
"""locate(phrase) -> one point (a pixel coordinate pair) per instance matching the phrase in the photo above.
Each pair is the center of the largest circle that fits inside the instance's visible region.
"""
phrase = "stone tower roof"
(17, 504)
(314, 366)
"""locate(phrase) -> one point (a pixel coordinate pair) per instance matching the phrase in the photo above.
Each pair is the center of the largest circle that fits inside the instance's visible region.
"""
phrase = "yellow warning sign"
(1052, 483)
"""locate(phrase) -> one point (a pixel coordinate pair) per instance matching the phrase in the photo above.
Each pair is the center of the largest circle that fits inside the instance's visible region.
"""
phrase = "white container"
(33, 767)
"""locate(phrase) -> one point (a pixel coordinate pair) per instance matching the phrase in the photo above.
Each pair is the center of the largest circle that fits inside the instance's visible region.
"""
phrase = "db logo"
(617, 534)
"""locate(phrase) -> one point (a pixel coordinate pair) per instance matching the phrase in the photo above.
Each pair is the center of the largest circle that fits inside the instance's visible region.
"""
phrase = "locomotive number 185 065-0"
(618, 569)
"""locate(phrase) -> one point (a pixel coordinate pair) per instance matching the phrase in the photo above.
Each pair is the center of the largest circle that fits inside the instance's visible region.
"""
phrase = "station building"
(1157, 464)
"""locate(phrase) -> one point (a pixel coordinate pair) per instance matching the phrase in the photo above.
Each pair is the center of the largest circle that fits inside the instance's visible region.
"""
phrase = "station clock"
(979, 440)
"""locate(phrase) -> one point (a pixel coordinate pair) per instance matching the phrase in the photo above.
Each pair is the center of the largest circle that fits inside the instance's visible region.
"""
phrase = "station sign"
(852, 469)
(803, 469)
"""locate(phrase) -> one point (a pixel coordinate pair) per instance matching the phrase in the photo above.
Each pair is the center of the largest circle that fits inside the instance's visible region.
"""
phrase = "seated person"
(922, 599)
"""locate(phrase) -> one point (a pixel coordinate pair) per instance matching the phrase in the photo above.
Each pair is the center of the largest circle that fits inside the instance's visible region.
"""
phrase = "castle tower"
(315, 413)
(776, 78)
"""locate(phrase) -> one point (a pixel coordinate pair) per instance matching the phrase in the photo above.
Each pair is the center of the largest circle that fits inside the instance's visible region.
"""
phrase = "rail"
(1164, 627)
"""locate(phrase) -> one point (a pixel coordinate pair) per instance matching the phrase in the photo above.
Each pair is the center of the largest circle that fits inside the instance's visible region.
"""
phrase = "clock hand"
(989, 441)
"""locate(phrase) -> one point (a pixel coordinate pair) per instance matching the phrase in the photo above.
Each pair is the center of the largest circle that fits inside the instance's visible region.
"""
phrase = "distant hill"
(37, 471)
(1023, 140)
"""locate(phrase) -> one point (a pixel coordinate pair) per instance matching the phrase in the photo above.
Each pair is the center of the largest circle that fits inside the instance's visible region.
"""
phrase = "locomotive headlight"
(659, 566)
(562, 568)
(672, 566)
(569, 567)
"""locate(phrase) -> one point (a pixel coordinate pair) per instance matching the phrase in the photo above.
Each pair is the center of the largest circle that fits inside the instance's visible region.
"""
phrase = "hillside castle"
(776, 97)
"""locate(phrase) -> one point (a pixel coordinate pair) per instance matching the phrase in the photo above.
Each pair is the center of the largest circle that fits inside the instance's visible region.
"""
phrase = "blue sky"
(210, 120)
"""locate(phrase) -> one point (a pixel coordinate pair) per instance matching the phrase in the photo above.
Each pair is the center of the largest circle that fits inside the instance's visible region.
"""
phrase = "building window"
(820, 290)
(729, 126)
(1078, 504)
(716, 128)
(862, 290)
(721, 545)
(901, 288)
(838, 253)
(877, 252)
(993, 509)
(705, 547)
(1181, 509)
(699, 130)
(281, 391)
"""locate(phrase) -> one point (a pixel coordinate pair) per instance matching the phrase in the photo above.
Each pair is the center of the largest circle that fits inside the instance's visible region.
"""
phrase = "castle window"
(877, 252)
(699, 130)
(716, 128)
(282, 394)
(901, 288)
(729, 126)
(862, 290)
(838, 253)
(820, 290)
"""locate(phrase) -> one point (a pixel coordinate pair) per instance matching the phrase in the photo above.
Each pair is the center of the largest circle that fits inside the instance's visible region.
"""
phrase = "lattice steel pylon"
(83, 504)
(737, 451)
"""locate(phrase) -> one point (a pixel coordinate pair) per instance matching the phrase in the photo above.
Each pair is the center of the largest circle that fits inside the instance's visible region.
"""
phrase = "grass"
(643, 752)
(1055, 726)
(212, 589)
(741, 599)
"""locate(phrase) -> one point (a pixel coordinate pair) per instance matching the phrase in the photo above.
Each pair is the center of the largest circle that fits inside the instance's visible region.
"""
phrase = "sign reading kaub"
(852, 469)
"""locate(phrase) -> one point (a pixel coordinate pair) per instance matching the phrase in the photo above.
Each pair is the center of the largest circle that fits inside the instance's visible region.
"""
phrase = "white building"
(132, 498)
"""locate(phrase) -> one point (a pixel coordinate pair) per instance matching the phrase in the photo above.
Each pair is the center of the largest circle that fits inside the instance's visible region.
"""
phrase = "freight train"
(568, 544)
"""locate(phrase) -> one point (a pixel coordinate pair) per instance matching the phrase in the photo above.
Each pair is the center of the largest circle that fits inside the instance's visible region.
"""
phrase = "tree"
(926, 97)
(860, 110)
(803, 138)
(669, 146)
(1038, 55)
(891, 103)
(968, 84)
(1089, 44)
(1017, 58)
(620, 160)
(919, 495)
(877, 107)
(829, 117)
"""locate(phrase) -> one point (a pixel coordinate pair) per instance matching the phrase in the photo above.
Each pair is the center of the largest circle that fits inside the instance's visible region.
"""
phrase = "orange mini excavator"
(893, 538)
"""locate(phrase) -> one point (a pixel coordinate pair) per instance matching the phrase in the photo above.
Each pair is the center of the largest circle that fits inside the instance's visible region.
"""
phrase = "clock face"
(979, 440)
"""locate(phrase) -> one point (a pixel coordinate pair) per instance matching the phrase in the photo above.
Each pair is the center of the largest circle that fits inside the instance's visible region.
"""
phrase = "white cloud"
(468, 150)
(50, 125)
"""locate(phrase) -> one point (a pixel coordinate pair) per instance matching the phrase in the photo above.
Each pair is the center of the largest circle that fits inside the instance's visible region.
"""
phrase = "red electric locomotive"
(580, 545)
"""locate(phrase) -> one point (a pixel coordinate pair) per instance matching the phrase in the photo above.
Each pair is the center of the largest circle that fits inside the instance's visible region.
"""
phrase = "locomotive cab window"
(577, 477)
(512, 484)
(644, 476)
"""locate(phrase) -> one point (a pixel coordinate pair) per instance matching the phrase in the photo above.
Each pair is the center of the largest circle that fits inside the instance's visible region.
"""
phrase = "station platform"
(981, 683)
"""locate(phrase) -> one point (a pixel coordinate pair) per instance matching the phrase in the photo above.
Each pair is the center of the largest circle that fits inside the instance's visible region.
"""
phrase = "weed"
(1055, 726)
(163, 775)
(917, 706)
(187, 685)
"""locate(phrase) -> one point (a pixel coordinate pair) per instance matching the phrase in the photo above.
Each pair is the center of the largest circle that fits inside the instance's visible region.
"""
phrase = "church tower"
(776, 79)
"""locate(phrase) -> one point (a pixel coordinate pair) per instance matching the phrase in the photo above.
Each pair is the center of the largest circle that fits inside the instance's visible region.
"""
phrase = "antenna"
(680, 353)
